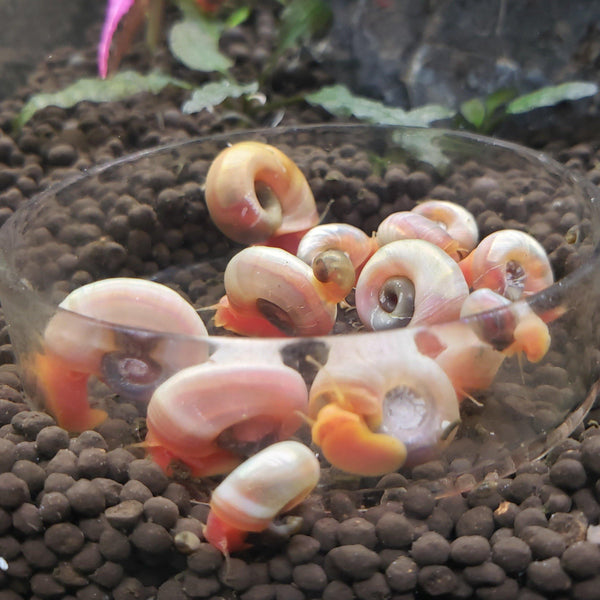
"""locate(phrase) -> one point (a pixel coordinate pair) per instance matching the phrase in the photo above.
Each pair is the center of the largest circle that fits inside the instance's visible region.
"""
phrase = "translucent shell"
(385, 406)
(131, 304)
(268, 483)
(120, 330)
(409, 282)
(270, 292)
(405, 225)
(336, 252)
(254, 192)
(509, 262)
(457, 220)
(210, 416)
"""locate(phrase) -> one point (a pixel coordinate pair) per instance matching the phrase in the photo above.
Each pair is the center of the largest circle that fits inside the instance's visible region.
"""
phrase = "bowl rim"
(539, 302)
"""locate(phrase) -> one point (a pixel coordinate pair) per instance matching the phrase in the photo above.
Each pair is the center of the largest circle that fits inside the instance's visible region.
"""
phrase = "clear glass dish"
(144, 216)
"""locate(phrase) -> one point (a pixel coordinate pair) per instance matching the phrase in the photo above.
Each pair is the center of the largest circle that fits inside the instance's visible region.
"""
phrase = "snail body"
(271, 293)
(255, 193)
(120, 330)
(210, 416)
(409, 282)
(375, 411)
(509, 262)
(249, 498)
(336, 252)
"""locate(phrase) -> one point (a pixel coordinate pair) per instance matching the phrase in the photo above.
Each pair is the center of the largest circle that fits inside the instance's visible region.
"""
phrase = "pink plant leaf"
(115, 11)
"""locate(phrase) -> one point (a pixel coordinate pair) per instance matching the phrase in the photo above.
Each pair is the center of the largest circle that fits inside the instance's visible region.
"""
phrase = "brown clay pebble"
(470, 550)
(309, 577)
(151, 538)
(206, 560)
(374, 587)
(568, 474)
(114, 545)
(54, 507)
(148, 473)
(355, 561)
(50, 440)
(544, 542)
(87, 439)
(199, 587)
(402, 573)
(92, 462)
(30, 423)
(237, 575)
(301, 549)
(38, 555)
(430, 549)
(437, 580)
(548, 576)
(263, 591)
(512, 554)
(8, 455)
(162, 511)
(32, 474)
(65, 574)
(418, 502)
(476, 521)
(125, 515)
(13, 491)
(27, 520)
(64, 461)
(135, 490)
(325, 532)
(64, 538)
(395, 531)
(581, 560)
(527, 517)
(357, 530)
(108, 575)
(86, 498)
(46, 586)
(88, 559)
(118, 461)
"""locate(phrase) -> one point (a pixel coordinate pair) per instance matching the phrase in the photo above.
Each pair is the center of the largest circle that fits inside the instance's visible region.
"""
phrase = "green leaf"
(212, 94)
(302, 19)
(474, 112)
(237, 17)
(123, 85)
(551, 95)
(338, 100)
(195, 43)
(498, 99)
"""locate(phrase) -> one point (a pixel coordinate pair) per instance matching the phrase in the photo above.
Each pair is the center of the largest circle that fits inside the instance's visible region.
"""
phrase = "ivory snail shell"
(128, 332)
(336, 252)
(456, 220)
(381, 407)
(254, 192)
(509, 262)
(268, 483)
(270, 292)
(405, 225)
(210, 416)
(409, 282)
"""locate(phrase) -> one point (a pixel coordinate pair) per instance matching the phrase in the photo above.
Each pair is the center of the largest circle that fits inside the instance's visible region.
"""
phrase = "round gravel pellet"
(125, 515)
(476, 521)
(30, 423)
(135, 490)
(114, 545)
(568, 474)
(50, 440)
(162, 511)
(529, 516)
(402, 573)
(87, 439)
(418, 502)
(325, 532)
(92, 462)
(430, 549)
(236, 574)
(8, 455)
(151, 538)
(470, 550)
(437, 580)
(544, 542)
(309, 577)
(13, 491)
(54, 507)
(118, 461)
(357, 531)
(581, 559)
(86, 498)
(148, 473)
(486, 574)
(31, 473)
(38, 555)
(355, 561)
(512, 554)
(395, 531)
(27, 519)
(548, 576)
(374, 587)
(64, 538)
(302, 548)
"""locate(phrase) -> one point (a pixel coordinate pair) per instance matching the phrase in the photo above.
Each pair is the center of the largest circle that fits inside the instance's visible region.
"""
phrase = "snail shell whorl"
(189, 414)
(274, 480)
(439, 286)
(260, 278)
(254, 191)
(85, 330)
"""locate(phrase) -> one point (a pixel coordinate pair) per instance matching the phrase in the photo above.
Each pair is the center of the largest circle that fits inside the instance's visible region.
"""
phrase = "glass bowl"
(144, 216)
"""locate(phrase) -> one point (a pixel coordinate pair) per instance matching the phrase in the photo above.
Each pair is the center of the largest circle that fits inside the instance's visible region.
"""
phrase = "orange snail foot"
(531, 337)
(224, 537)
(214, 463)
(348, 443)
(230, 319)
(65, 393)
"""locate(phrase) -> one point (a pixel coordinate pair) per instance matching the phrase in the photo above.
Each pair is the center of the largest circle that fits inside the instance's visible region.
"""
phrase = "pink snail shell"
(270, 292)
(439, 286)
(208, 416)
(254, 192)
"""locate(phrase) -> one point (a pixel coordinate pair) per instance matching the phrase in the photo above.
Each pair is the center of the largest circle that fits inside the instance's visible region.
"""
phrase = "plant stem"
(155, 19)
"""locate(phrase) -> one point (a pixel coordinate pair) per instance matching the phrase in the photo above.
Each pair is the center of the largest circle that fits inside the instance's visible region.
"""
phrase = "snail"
(511, 327)
(509, 262)
(256, 194)
(410, 225)
(130, 333)
(210, 416)
(455, 219)
(271, 482)
(336, 252)
(270, 292)
(375, 410)
(409, 282)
